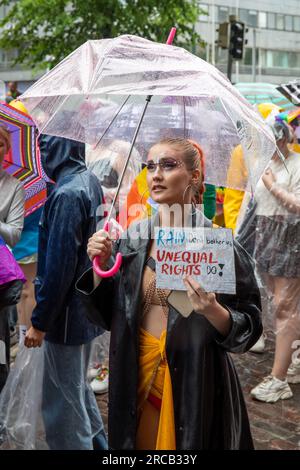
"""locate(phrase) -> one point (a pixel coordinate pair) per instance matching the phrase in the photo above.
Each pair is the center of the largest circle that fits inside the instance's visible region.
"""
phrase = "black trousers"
(4, 345)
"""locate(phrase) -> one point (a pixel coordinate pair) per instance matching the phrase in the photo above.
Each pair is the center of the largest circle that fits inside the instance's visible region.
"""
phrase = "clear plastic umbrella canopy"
(97, 94)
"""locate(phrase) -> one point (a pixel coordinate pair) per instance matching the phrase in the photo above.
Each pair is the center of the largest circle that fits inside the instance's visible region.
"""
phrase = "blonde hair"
(5, 134)
(193, 158)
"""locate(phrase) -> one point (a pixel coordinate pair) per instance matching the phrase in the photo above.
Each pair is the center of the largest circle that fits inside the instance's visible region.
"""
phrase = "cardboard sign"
(206, 254)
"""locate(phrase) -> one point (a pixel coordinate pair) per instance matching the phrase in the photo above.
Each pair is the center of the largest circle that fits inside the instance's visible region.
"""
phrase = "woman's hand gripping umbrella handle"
(96, 266)
(111, 272)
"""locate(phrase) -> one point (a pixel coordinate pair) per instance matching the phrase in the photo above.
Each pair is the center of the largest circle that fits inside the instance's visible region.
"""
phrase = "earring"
(183, 196)
(195, 210)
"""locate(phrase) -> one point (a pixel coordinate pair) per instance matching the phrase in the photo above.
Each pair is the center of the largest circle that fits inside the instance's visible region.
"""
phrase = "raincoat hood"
(61, 157)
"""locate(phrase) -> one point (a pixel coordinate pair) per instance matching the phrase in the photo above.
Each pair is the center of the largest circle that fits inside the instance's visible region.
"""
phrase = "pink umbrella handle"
(111, 272)
(171, 36)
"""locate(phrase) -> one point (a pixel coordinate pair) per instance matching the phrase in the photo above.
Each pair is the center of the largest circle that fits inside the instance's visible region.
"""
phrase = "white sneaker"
(259, 346)
(100, 383)
(293, 374)
(94, 371)
(271, 390)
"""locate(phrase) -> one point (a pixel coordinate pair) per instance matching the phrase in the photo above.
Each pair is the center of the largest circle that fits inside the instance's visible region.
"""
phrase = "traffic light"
(237, 39)
(223, 35)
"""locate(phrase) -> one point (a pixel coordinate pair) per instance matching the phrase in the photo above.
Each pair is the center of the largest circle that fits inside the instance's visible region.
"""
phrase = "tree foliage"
(46, 31)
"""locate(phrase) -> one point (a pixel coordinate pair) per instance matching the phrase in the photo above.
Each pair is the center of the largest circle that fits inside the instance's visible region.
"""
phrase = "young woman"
(276, 251)
(12, 198)
(11, 224)
(172, 383)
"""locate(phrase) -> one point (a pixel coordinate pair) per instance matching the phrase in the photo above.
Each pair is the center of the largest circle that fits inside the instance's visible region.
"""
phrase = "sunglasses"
(165, 164)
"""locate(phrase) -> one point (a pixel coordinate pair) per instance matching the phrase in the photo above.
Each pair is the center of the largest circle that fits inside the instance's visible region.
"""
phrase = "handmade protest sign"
(206, 254)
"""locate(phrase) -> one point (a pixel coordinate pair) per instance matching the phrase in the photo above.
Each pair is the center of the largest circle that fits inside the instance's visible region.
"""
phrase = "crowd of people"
(182, 390)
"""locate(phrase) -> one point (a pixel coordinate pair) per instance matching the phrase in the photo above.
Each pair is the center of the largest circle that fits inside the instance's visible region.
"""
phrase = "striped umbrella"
(23, 160)
(257, 93)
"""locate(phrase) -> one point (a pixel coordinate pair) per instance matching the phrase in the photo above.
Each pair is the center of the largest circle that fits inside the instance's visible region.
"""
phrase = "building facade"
(272, 54)
(273, 51)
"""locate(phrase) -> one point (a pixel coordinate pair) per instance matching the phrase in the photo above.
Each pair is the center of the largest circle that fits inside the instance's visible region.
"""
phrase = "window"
(248, 57)
(281, 59)
(243, 14)
(288, 23)
(294, 60)
(252, 18)
(266, 58)
(249, 17)
(271, 21)
(223, 14)
(205, 8)
(10, 55)
(262, 19)
(296, 23)
(279, 21)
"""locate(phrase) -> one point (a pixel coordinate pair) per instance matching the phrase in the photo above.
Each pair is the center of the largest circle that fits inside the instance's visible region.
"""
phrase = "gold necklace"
(150, 290)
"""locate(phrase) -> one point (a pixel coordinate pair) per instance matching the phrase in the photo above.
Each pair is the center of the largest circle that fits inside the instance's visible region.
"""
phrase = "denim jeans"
(71, 416)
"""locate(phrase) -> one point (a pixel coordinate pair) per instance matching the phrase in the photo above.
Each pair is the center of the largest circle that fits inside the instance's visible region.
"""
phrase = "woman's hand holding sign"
(206, 304)
(201, 300)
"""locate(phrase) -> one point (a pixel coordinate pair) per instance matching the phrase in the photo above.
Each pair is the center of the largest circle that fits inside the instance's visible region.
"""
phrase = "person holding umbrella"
(182, 391)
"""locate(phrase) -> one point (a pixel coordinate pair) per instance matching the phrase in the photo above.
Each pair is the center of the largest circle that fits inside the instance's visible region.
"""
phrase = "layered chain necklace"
(161, 294)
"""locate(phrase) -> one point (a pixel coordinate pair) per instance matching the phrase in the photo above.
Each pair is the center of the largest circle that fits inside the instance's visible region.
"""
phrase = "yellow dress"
(154, 378)
(156, 429)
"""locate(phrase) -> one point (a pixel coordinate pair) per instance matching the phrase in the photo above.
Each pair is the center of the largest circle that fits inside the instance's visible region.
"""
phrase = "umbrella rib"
(184, 119)
(148, 99)
(113, 120)
(54, 114)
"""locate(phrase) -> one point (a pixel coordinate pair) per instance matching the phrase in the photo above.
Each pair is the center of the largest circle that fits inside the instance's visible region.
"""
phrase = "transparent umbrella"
(97, 94)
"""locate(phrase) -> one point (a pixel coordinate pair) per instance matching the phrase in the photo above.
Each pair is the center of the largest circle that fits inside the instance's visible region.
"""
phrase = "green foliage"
(46, 31)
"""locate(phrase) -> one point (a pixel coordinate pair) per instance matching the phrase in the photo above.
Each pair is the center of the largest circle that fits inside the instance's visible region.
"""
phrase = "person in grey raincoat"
(206, 408)
(12, 196)
(71, 416)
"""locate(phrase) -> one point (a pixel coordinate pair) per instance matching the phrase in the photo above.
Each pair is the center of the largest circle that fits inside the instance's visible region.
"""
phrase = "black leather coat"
(209, 407)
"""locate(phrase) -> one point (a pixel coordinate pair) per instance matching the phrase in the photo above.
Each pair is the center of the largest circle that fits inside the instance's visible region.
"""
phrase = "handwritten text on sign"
(206, 254)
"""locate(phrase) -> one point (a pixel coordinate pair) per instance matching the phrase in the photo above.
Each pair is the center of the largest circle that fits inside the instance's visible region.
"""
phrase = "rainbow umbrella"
(288, 116)
(23, 160)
